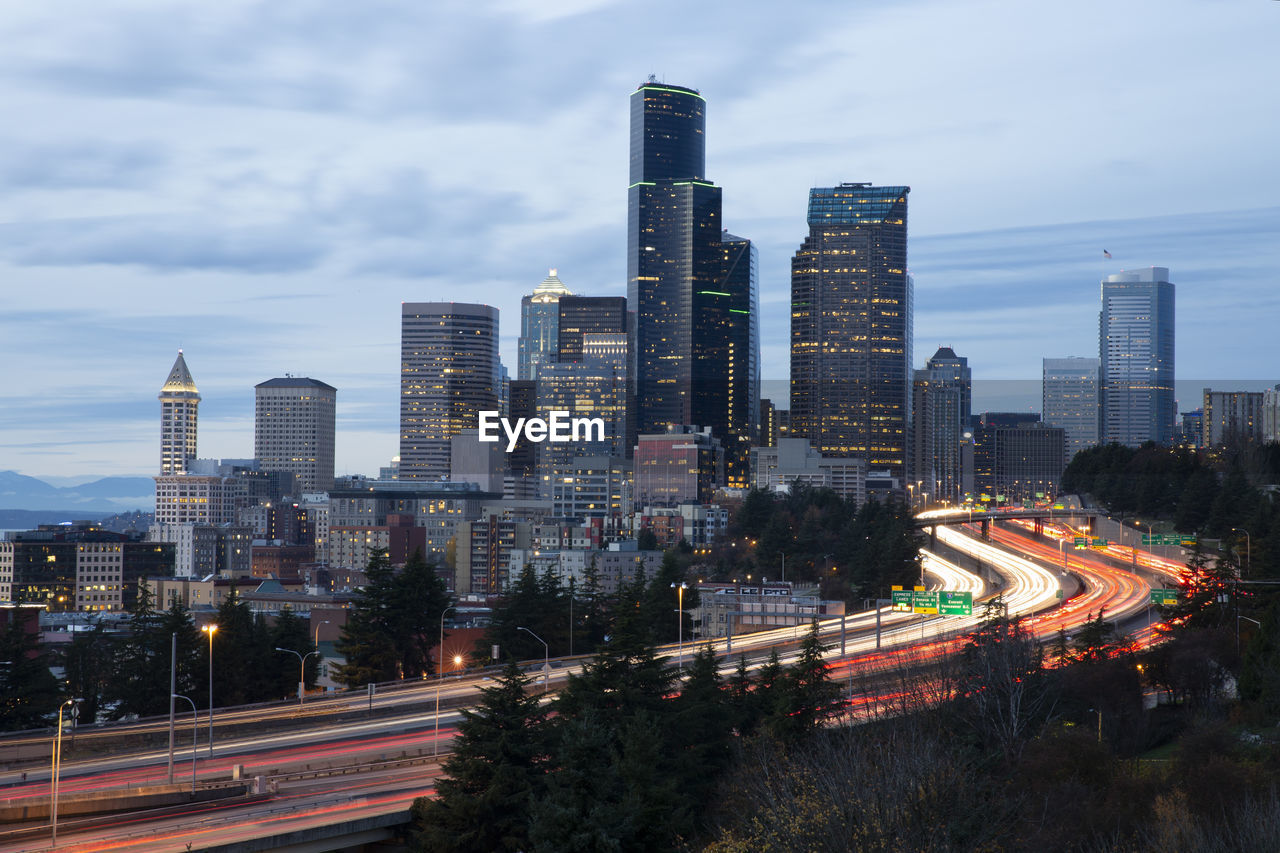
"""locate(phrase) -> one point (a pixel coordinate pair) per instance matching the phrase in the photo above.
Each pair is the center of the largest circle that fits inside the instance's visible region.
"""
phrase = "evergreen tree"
(701, 724)
(87, 662)
(1260, 669)
(367, 641)
(291, 632)
(806, 697)
(493, 776)
(29, 694)
(141, 683)
(239, 656)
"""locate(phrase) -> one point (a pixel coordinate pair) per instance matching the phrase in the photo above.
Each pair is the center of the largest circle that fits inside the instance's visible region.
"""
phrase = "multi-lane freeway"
(349, 761)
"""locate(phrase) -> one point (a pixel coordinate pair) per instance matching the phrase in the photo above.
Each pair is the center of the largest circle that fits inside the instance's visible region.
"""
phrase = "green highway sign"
(901, 600)
(1164, 597)
(1163, 539)
(924, 602)
(1081, 542)
(1100, 543)
(1059, 593)
(955, 603)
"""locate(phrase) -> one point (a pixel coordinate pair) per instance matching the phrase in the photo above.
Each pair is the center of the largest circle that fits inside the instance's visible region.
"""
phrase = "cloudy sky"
(262, 183)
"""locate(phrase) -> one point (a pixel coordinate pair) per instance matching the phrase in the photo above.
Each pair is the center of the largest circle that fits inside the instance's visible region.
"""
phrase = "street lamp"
(435, 744)
(1248, 544)
(546, 664)
(302, 669)
(680, 588)
(195, 737)
(53, 776)
(210, 629)
(316, 641)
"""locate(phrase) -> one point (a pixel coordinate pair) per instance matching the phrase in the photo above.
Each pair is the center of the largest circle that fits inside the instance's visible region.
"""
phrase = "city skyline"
(168, 213)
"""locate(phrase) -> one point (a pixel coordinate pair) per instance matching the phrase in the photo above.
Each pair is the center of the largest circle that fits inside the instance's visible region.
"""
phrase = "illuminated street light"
(302, 670)
(53, 776)
(435, 746)
(680, 588)
(210, 629)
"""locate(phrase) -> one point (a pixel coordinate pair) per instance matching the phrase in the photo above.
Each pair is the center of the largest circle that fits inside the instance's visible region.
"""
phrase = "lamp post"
(1238, 618)
(435, 745)
(302, 670)
(680, 588)
(210, 629)
(1248, 544)
(546, 664)
(53, 776)
(316, 641)
(195, 736)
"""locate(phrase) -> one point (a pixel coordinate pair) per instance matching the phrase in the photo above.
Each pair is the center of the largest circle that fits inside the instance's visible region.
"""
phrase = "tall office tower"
(448, 374)
(1070, 400)
(1271, 414)
(673, 257)
(851, 327)
(768, 423)
(726, 363)
(179, 404)
(539, 324)
(587, 315)
(593, 387)
(691, 293)
(942, 395)
(1135, 343)
(294, 430)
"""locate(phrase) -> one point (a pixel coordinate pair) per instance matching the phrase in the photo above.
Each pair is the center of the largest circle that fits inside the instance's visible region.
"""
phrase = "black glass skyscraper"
(692, 295)
(851, 326)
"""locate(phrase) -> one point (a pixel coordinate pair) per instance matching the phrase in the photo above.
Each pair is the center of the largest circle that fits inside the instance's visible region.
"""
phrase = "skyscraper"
(1070, 400)
(692, 293)
(179, 407)
(588, 315)
(448, 373)
(673, 231)
(539, 325)
(726, 362)
(593, 387)
(294, 429)
(1136, 347)
(851, 326)
(942, 395)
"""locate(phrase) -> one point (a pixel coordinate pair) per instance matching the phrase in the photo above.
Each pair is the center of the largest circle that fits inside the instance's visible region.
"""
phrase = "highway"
(394, 743)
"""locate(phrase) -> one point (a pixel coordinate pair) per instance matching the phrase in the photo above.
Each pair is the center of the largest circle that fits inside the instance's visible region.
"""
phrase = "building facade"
(681, 465)
(294, 427)
(448, 374)
(1136, 349)
(1018, 463)
(1070, 399)
(539, 326)
(1232, 418)
(941, 406)
(794, 460)
(179, 417)
(851, 304)
(588, 315)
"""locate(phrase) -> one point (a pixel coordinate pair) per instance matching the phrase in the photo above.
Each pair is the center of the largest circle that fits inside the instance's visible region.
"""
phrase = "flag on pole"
(1106, 254)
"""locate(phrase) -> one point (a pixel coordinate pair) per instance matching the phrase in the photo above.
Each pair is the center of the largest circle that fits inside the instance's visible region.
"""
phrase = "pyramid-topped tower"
(179, 404)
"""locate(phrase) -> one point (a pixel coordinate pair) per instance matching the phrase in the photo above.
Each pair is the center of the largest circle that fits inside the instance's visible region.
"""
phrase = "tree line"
(626, 757)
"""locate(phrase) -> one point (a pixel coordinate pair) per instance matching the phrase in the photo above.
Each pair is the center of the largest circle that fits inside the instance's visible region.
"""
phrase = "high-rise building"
(673, 233)
(768, 423)
(1070, 400)
(521, 481)
(691, 290)
(1232, 418)
(1018, 463)
(294, 430)
(593, 387)
(851, 302)
(179, 405)
(448, 374)
(942, 395)
(539, 326)
(726, 364)
(682, 465)
(587, 315)
(1136, 347)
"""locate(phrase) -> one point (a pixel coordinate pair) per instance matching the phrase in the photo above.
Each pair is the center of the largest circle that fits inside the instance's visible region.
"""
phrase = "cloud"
(82, 164)
(165, 244)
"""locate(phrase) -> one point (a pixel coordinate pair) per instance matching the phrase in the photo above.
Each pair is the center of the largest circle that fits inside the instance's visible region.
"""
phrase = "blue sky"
(262, 183)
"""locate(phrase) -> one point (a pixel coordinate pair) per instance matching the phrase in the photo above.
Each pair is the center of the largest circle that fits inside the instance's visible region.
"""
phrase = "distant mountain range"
(90, 500)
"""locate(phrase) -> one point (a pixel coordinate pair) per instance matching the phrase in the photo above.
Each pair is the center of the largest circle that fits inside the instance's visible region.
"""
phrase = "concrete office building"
(941, 404)
(539, 326)
(1232, 418)
(294, 430)
(448, 374)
